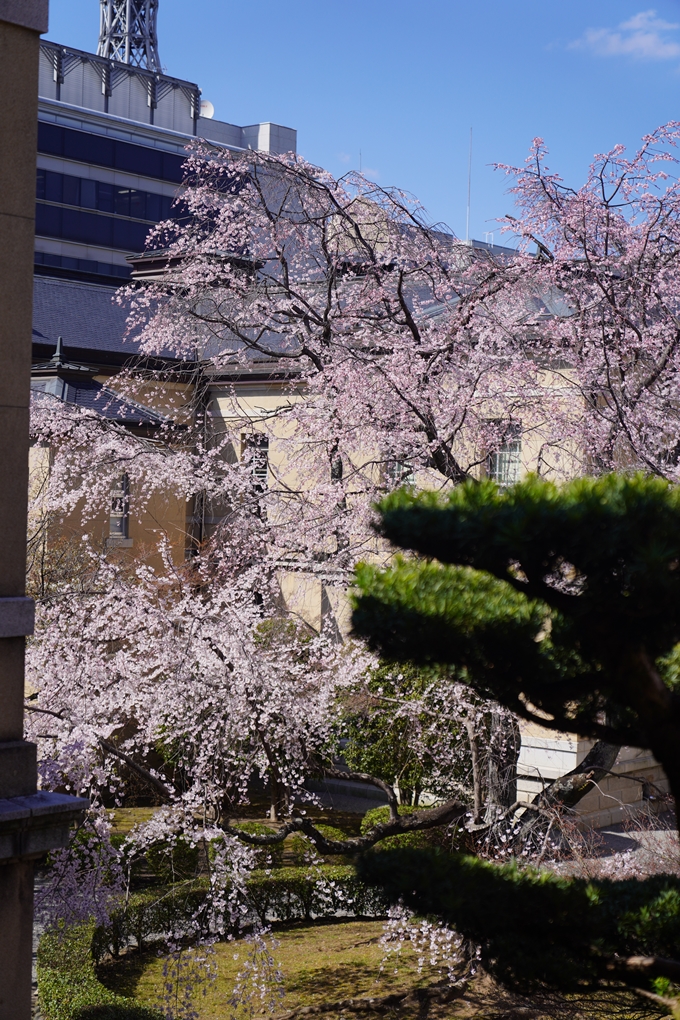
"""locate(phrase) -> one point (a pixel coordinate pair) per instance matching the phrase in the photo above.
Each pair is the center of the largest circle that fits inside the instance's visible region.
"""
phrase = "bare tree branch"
(364, 777)
(149, 777)
(650, 967)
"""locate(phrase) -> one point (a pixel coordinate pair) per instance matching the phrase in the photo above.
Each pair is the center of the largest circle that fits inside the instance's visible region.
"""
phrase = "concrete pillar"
(21, 22)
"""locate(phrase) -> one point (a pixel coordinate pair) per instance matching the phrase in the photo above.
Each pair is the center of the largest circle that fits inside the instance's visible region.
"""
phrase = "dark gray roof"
(94, 396)
(88, 318)
(85, 314)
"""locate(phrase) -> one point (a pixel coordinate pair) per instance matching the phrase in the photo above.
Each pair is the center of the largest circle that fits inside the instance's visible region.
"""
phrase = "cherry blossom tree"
(393, 289)
(600, 293)
(400, 356)
(385, 326)
(190, 678)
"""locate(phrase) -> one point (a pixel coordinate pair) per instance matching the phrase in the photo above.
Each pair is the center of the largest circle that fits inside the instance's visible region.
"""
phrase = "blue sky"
(402, 82)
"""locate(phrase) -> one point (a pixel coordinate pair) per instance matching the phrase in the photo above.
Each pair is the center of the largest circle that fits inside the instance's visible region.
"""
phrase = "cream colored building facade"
(637, 783)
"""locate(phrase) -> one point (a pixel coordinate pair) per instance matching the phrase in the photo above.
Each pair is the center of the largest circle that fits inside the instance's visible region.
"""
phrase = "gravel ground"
(651, 849)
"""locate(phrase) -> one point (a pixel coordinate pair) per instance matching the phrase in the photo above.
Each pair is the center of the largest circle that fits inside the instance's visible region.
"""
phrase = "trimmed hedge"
(284, 894)
(293, 894)
(68, 987)
(152, 912)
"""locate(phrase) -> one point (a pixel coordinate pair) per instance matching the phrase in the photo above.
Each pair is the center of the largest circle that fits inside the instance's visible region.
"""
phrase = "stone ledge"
(31, 14)
(17, 615)
(32, 825)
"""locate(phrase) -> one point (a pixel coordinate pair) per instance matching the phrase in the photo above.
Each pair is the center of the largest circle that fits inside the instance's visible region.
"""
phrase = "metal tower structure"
(127, 32)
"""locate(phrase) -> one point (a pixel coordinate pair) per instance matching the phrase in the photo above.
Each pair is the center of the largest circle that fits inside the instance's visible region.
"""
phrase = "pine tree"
(562, 604)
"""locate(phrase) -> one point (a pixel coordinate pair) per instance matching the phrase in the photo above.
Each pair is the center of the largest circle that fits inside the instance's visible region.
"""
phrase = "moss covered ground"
(321, 964)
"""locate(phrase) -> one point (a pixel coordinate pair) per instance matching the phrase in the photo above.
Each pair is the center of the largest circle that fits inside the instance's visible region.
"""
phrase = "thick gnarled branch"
(631, 968)
(419, 821)
(364, 777)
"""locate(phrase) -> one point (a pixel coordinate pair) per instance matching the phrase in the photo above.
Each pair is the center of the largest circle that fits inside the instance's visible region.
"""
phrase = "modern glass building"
(112, 140)
(111, 144)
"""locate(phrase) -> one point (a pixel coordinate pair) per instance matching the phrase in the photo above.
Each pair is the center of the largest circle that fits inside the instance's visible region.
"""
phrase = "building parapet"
(108, 86)
(84, 81)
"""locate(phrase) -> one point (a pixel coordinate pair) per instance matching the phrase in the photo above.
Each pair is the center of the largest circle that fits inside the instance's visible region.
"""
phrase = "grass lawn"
(125, 819)
(321, 964)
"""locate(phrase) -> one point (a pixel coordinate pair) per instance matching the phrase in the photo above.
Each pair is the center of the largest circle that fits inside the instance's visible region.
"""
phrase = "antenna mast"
(467, 217)
(127, 32)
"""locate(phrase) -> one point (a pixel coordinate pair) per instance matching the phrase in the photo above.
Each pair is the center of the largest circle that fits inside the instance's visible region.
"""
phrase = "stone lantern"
(31, 821)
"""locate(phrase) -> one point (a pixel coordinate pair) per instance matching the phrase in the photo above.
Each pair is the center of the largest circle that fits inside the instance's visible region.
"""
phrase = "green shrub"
(407, 840)
(330, 832)
(173, 860)
(536, 929)
(150, 913)
(283, 894)
(292, 894)
(68, 987)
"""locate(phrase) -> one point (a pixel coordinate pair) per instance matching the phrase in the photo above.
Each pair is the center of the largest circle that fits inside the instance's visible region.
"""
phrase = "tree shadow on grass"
(340, 980)
(123, 974)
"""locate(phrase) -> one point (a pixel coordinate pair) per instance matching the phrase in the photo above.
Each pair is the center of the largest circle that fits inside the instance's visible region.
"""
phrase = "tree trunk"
(501, 771)
(278, 798)
(570, 788)
(563, 793)
(476, 772)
